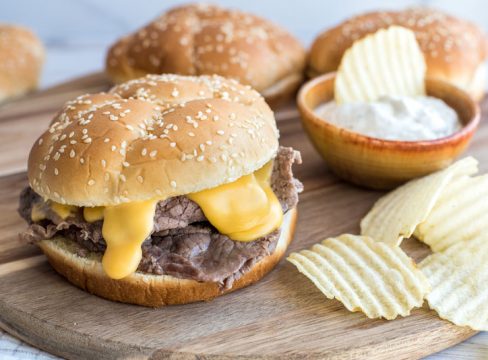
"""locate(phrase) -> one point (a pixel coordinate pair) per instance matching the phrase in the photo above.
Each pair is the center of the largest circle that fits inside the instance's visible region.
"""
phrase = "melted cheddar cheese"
(244, 210)
(125, 227)
(37, 212)
(92, 214)
(63, 211)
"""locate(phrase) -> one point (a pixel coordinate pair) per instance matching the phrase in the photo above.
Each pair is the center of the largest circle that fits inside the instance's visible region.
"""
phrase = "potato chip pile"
(447, 210)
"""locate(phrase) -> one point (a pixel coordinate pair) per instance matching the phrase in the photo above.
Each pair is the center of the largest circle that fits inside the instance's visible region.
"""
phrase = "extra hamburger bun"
(455, 50)
(147, 289)
(206, 39)
(158, 136)
(21, 60)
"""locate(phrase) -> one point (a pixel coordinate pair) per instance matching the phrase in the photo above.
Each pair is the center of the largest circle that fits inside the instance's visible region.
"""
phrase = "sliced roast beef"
(183, 244)
(177, 212)
(284, 185)
(201, 253)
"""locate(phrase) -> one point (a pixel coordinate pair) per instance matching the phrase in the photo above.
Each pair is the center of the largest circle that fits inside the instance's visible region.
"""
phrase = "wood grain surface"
(282, 316)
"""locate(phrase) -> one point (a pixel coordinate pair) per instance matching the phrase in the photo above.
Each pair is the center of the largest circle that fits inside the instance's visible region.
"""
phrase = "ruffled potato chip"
(460, 214)
(365, 275)
(459, 278)
(387, 62)
(396, 215)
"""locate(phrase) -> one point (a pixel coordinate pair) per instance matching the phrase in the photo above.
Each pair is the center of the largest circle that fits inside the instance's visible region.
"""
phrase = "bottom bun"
(149, 289)
(282, 91)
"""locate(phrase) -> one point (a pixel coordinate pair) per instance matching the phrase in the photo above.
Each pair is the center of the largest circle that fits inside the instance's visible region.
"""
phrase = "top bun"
(206, 39)
(22, 56)
(454, 49)
(158, 136)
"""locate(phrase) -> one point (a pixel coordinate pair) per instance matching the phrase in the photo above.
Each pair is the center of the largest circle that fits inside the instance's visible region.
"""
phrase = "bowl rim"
(466, 130)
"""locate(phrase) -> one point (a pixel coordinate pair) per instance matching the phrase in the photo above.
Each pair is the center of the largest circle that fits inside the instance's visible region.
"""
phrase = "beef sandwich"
(166, 190)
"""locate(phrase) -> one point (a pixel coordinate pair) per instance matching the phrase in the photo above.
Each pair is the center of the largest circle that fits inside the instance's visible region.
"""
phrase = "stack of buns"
(203, 39)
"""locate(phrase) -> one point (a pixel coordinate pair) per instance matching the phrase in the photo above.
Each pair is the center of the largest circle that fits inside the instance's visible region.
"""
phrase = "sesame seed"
(56, 171)
(122, 178)
(106, 140)
(144, 152)
(173, 183)
(220, 132)
(153, 153)
(91, 182)
(172, 144)
(125, 164)
(104, 163)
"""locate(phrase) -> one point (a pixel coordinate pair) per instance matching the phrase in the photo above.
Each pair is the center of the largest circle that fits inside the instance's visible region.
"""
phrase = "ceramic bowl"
(377, 163)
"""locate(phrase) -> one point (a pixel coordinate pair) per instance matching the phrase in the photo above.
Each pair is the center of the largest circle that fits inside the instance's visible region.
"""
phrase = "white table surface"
(77, 33)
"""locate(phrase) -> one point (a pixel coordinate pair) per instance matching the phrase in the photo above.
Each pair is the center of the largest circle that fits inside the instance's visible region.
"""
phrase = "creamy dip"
(394, 117)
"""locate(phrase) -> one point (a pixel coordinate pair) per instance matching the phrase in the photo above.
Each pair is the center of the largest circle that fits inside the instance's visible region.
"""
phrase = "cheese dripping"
(244, 210)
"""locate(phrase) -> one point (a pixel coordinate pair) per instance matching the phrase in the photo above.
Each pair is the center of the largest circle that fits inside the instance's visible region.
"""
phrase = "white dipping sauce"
(394, 118)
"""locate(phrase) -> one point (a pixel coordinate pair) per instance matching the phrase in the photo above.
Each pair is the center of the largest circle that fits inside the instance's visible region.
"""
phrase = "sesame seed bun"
(155, 137)
(148, 289)
(206, 39)
(21, 60)
(455, 50)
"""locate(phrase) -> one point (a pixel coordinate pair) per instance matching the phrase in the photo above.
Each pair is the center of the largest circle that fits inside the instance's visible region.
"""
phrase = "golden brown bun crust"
(454, 49)
(153, 290)
(206, 39)
(21, 60)
(154, 137)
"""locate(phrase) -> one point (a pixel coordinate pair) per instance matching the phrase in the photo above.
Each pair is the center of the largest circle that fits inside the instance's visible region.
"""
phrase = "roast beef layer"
(183, 243)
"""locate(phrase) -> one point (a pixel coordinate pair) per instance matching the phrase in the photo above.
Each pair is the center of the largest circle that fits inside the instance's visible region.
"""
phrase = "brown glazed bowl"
(377, 163)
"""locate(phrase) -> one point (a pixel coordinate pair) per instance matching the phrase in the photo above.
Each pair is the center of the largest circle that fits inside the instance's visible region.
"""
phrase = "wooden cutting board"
(282, 316)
